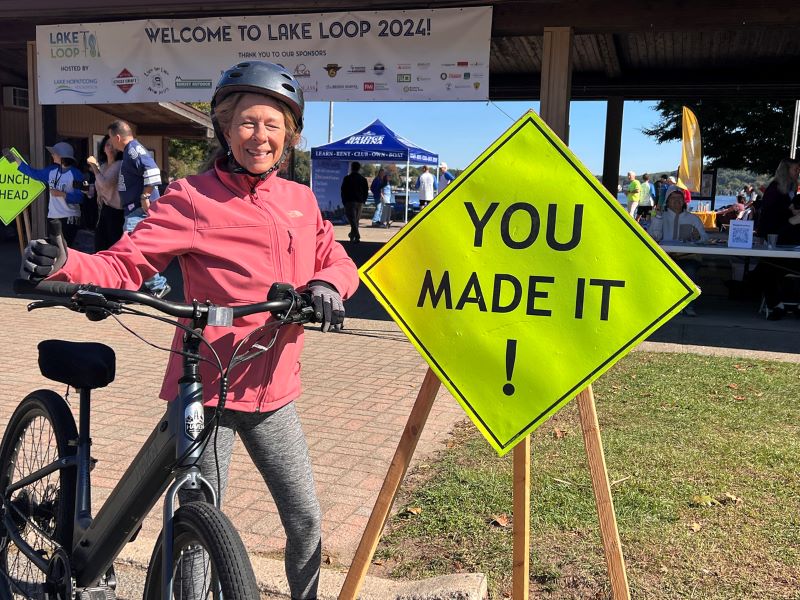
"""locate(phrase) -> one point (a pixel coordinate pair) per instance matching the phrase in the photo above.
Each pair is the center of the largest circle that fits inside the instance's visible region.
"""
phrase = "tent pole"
(408, 199)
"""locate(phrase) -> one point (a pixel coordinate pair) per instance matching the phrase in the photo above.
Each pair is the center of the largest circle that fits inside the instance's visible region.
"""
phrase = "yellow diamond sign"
(16, 190)
(523, 282)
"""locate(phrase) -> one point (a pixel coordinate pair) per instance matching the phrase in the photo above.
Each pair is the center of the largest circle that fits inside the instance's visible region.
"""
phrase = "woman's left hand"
(327, 304)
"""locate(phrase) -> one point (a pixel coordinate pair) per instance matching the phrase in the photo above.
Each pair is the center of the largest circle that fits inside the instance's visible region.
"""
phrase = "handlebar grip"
(48, 288)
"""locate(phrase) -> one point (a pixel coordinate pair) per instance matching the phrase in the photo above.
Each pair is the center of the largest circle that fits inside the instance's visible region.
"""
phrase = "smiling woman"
(236, 229)
(256, 134)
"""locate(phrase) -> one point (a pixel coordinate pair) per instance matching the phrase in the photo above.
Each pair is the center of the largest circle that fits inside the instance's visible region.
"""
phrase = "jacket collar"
(240, 184)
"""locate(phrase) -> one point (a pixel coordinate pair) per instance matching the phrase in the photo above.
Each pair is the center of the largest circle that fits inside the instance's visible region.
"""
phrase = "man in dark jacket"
(354, 193)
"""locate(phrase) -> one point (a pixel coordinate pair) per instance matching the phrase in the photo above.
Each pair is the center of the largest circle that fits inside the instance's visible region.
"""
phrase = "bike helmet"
(259, 77)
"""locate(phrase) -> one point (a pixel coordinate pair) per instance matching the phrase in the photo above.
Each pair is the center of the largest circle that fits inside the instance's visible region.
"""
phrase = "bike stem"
(187, 423)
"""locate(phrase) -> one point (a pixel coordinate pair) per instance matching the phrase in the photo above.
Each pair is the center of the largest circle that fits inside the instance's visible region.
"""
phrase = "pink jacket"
(233, 241)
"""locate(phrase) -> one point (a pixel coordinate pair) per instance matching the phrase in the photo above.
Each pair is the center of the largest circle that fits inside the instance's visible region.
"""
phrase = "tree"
(187, 157)
(736, 134)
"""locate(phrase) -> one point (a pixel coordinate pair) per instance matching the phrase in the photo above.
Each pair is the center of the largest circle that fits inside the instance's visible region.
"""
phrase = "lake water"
(720, 202)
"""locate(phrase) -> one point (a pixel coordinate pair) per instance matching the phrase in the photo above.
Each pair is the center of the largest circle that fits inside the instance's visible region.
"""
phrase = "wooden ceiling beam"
(609, 55)
(510, 17)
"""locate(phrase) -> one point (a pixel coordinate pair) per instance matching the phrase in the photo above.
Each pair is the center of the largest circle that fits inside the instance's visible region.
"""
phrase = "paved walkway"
(359, 389)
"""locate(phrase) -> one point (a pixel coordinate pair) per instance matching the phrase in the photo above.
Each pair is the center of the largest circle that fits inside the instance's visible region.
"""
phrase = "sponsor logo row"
(379, 69)
(157, 80)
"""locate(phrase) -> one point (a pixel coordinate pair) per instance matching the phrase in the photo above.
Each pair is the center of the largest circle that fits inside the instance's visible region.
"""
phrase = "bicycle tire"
(37, 434)
(227, 567)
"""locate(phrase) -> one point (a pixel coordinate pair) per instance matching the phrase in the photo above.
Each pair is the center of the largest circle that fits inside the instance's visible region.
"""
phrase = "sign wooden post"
(522, 519)
(391, 484)
(515, 285)
(20, 234)
(612, 546)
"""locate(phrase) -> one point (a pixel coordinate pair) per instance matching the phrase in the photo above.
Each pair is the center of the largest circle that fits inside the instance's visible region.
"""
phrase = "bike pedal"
(95, 594)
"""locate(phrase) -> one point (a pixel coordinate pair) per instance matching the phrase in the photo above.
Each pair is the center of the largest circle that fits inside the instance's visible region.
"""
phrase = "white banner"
(387, 56)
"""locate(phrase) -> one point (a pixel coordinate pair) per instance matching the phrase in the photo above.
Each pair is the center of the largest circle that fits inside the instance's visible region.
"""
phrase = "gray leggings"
(277, 446)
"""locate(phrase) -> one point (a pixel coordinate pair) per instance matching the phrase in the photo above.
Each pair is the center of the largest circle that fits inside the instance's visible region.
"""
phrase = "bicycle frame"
(98, 541)
(169, 455)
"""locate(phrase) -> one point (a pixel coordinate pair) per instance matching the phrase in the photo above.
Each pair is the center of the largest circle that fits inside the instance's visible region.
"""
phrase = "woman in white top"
(110, 224)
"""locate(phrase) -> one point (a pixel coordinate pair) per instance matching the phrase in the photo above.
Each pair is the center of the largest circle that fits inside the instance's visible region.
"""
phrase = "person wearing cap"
(139, 177)
(64, 182)
(676, 224)
(236, 229)
(445, 177)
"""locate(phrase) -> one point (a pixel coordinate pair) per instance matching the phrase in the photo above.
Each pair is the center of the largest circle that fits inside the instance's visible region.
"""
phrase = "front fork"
(188, 421)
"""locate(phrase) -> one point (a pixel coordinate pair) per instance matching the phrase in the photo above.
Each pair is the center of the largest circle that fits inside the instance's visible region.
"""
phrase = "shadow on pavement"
(721, 322)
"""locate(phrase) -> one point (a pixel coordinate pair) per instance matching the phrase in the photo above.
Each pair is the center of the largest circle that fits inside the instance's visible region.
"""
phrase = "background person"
(633, 191)
(237, 229)
(139, 177)
(425, 185)
(779, 207)
(354, 192)
(647, 197)
(64, 182)
(445, 177)
(375, 188)
(386, 202)
(112, 217)
(677, 224)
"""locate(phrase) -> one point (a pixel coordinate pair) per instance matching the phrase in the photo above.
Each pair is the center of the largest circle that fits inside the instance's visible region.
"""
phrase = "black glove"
(9, 155)
(327, 304)
(42, 258)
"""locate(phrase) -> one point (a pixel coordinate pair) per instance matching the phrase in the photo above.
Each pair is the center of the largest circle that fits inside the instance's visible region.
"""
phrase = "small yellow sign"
(16, 190)
(523, 282)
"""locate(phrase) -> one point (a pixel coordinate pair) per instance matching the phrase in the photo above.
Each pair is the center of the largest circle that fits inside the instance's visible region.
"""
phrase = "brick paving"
(359, 387)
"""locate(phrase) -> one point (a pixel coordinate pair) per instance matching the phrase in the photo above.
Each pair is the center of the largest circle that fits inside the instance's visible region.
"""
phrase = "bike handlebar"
(281, 298)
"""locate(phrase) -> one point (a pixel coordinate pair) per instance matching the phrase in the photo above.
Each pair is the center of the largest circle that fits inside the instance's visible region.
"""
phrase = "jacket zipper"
(292, 254)
(270, 358)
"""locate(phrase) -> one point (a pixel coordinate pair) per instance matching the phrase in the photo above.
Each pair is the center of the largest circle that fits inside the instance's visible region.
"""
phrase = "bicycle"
(50, 545)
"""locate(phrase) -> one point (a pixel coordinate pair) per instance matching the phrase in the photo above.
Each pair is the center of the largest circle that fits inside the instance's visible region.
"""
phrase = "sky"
(460, 131)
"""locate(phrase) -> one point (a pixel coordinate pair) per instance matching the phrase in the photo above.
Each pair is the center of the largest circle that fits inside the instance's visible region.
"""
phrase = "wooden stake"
(522, 519)
(391, 485)
(26, 219)
(602, 496)
(20, 235)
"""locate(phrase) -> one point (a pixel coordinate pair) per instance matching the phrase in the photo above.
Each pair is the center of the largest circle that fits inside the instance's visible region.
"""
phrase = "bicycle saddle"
(82, 365)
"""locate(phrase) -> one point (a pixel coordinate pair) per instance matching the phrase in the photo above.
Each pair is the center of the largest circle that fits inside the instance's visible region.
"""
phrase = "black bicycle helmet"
(259, 77)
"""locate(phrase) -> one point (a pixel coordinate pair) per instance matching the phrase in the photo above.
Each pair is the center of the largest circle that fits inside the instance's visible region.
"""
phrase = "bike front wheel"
(208, 559)
(38, 435)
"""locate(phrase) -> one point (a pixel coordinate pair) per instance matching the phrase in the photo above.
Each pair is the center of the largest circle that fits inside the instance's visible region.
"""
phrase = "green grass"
(674, 427)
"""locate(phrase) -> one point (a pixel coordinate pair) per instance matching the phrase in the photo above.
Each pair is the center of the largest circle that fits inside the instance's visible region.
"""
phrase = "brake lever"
(48, 304)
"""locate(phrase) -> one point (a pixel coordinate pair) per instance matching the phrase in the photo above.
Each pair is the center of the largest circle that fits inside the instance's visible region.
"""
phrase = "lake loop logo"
(73, 44)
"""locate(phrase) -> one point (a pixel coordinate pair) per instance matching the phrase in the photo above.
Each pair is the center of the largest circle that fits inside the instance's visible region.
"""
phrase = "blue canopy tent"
(375, 143)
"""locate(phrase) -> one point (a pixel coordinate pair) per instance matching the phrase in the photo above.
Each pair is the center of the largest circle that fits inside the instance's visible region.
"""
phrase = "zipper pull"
(291, 239)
